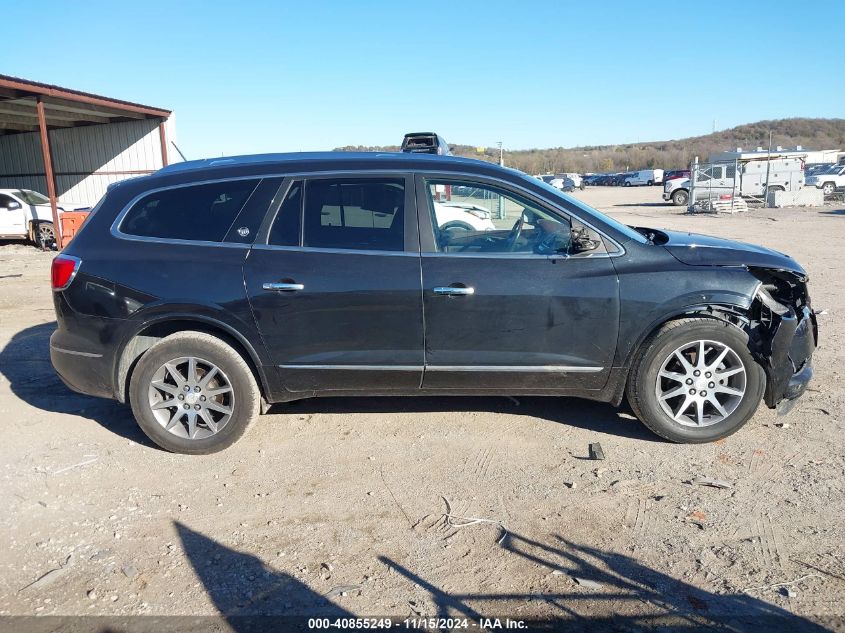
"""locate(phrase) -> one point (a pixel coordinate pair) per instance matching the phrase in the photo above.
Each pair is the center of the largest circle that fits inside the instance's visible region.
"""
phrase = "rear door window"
(196, 212)
(355, 213)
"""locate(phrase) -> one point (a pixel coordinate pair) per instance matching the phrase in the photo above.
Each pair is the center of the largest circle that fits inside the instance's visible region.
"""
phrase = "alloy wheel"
(701, 383)
(191, 397)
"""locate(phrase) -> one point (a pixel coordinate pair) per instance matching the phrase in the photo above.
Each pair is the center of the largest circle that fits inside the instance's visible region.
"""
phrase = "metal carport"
(75, 143)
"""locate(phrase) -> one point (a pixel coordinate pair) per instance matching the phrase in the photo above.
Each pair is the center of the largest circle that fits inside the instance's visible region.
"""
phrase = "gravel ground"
(339, 505)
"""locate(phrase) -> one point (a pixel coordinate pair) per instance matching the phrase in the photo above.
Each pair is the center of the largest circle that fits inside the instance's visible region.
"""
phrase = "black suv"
(210, 289)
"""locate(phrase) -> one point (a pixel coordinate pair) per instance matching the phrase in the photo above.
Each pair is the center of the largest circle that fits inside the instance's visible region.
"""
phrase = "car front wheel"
(193, 393)
(680, 198)
(828, 188)
(695, 381)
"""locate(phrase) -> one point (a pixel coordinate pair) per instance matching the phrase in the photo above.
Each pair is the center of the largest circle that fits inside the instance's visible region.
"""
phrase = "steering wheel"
(516, 231)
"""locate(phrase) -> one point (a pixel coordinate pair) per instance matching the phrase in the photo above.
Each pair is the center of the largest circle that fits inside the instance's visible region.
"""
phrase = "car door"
(516, 307)
(334, 283)
(12, 221)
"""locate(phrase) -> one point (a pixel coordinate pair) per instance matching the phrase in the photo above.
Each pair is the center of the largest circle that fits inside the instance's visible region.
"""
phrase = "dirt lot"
(338, 505)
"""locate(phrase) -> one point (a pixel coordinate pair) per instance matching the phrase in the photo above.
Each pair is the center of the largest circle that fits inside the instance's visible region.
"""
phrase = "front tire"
(695, 381)
(192, 393)
(828, 188)
(680, 198)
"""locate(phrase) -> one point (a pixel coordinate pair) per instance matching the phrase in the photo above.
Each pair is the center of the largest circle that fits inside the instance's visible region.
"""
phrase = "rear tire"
(648, 387)
(680, 198)
(232, 401)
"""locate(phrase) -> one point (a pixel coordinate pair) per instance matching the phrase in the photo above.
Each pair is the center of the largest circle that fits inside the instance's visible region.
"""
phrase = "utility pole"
(501, 155)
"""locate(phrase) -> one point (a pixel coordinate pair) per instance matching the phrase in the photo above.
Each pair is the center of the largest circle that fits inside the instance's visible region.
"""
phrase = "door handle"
(453, 291)
(283, 287)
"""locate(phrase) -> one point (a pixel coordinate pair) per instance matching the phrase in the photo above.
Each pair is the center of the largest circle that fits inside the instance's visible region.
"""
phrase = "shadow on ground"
(25, 363)
(592, 416)
(629, 595)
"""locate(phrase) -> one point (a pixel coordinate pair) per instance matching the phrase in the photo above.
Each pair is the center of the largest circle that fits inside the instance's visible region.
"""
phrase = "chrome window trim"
(333, 251)
(459, 368)
(344, 173)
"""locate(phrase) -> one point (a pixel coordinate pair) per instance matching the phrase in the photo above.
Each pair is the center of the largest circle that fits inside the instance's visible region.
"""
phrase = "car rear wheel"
(193, 393)
(828, 188)
(695, 381)
(680, 198)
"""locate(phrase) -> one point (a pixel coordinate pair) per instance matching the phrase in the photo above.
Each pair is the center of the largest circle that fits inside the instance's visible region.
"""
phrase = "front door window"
(473, 218)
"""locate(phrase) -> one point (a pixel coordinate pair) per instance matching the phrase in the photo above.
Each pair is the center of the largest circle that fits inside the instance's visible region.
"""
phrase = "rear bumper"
(84, 372)
(667, 196)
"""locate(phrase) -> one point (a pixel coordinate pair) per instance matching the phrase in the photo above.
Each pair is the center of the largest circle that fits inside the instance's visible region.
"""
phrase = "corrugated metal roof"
(37, 87)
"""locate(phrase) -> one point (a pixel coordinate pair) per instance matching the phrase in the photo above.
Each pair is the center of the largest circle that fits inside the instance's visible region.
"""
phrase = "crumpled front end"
(783, 335)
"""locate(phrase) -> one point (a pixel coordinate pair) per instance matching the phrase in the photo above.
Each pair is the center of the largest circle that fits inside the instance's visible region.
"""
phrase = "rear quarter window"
(195, 212)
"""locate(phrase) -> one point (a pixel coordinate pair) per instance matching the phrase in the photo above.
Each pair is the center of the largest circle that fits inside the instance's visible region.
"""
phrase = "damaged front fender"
(783, 335)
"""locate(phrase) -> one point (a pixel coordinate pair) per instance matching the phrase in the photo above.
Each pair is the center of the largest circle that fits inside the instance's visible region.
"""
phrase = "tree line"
(676, 154)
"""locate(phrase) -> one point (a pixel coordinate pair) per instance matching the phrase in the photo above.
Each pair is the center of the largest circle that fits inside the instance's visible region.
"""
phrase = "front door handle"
(283, 287)
(454, 291)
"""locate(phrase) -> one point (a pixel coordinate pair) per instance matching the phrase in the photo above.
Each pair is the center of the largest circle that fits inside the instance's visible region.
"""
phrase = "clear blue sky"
(246, 77)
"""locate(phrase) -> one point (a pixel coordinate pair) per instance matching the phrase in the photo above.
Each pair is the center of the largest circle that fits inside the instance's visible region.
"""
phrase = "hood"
(703, 250)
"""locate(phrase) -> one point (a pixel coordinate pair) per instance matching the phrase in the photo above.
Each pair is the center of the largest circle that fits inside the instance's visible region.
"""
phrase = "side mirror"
(13, 205)
(582, 241)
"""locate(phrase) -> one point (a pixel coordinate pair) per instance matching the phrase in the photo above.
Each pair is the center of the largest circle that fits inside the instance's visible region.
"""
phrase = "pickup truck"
(26, 215)
(829, 180)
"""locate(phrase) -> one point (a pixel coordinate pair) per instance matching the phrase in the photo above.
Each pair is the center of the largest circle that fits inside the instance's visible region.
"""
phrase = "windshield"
(624, 229)
(32, 197)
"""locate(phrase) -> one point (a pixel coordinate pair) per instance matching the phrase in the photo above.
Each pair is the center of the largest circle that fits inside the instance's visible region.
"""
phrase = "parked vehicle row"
(206, 291)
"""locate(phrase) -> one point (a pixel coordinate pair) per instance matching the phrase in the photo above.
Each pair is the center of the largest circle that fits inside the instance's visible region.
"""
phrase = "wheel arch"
(150, 332)
(732, 313)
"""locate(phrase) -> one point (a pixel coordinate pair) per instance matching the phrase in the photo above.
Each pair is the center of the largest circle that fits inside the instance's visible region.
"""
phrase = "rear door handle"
(453, 291)
(283, 287)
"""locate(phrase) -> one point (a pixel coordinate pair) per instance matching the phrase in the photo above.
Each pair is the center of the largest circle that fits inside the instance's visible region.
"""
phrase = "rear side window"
(197, 212)
(351, 213)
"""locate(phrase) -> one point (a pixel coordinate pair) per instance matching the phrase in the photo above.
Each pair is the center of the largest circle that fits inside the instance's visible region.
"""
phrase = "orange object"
(72, 221)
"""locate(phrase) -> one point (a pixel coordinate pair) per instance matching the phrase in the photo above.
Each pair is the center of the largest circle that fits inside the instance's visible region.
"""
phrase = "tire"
(680, 198)
(828, 188)
(650, 183)
(644, 382)
(234, 379)
(627, 183)
(45, 236)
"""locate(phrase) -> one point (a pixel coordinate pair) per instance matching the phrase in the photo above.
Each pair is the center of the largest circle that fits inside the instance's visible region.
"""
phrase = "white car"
(564, 184)
(828, 180)
(26, 214)
(462, 216)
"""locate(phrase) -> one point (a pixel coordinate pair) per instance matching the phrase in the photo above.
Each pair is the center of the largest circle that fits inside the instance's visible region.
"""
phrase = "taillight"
(64, 270)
